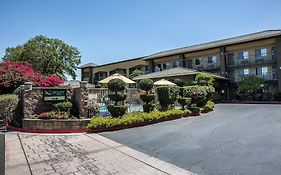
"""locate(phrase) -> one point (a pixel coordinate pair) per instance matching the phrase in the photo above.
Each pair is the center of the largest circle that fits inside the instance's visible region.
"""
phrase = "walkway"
(77, 154)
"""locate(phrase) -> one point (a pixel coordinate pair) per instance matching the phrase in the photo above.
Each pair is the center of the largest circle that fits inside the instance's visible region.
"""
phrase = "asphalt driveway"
(234, 139)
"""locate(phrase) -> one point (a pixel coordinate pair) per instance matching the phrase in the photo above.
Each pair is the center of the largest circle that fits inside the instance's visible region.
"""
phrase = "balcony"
(268, 76)
(252, 60)
(206, 67)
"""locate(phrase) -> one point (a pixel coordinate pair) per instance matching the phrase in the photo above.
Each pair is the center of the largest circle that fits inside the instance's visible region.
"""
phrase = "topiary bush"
(117, 97)
(147, 96)
(8, 105)
(117, 94)
(185, 101)
(146, 84)
(116, 85)
(117, 111)
(167, 95)
(204, 79)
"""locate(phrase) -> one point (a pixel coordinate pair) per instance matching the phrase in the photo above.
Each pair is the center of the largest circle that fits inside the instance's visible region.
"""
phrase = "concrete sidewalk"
(74, 154)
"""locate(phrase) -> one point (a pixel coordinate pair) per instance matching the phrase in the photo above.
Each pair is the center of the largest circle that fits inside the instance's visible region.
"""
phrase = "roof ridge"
(220, 40)
(263, 31)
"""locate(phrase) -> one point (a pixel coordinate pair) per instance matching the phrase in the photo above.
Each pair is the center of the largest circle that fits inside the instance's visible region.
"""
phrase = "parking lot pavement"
(233, 139)
(78, 154)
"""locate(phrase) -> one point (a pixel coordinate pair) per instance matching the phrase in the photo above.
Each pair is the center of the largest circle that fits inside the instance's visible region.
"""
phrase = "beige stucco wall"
(123, 65)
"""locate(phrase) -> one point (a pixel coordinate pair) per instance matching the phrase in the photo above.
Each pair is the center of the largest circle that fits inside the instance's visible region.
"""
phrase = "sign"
(54, 94)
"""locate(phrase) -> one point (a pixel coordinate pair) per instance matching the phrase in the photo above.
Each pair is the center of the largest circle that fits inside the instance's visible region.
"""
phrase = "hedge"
(8, 105)
(133, 118)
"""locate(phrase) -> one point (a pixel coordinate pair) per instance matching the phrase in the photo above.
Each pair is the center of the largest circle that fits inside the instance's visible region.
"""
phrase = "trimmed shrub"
(194, 109)
(204, 79)
(148, 97)
(117, 97)
(210, 91)
(146, 84)
(167, 95)
(118, 87)
(63, 106)
(148, 107)
(185, 101)
(209, 106)
(133, 118)
(117, 111)
(8, 105)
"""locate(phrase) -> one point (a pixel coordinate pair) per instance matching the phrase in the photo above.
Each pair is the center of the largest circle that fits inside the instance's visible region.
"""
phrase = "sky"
(105, 31)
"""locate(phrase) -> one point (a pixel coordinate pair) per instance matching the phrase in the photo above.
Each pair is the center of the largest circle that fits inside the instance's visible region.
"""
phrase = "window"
(243, 72)
(197, 61)
(261, 52)
(243, 55)
(262, 70)
(212, 59)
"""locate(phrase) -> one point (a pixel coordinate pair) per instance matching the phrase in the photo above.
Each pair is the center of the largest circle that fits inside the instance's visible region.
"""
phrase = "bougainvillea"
(14, 74)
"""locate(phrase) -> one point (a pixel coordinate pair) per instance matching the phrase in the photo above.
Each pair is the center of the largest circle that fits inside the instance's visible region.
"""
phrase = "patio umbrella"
(117, 76)
(164, 82)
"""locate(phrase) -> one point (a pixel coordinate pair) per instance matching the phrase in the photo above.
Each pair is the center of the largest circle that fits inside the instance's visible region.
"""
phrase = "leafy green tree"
(250, 84)
(48, 56)
(136, 73)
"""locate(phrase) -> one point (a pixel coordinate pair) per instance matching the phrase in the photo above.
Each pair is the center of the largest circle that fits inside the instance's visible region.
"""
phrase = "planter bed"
(140, 123)
(136, 124)
(55, 124)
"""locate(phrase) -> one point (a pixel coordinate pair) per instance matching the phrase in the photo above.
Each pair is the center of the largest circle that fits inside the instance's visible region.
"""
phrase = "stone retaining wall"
(55, 124)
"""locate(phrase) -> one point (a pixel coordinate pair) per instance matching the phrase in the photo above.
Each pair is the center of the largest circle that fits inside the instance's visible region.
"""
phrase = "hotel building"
(256, 53)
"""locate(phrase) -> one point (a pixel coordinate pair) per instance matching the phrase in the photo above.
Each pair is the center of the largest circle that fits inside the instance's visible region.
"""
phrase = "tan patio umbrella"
(164, 82)
(117, 76)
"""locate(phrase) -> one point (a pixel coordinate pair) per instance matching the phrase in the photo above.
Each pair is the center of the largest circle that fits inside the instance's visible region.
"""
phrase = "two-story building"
(257, 54)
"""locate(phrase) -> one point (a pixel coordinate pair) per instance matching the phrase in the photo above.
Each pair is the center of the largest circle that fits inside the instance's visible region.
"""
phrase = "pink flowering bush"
(14, 74)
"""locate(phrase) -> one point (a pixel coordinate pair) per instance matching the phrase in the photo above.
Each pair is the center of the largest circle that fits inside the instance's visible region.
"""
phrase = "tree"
(47, 56)
(250, 84)
(136, 73)
(13, 74)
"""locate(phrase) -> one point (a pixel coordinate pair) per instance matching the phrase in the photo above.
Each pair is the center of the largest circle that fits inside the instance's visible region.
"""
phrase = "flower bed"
(134, 119)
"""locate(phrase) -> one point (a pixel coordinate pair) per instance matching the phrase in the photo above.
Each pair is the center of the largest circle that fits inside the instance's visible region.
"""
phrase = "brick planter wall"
(55, 124)
(32, 100)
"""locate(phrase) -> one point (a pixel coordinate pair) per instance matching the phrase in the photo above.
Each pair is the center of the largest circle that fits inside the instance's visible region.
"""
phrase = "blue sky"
(111, 30)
